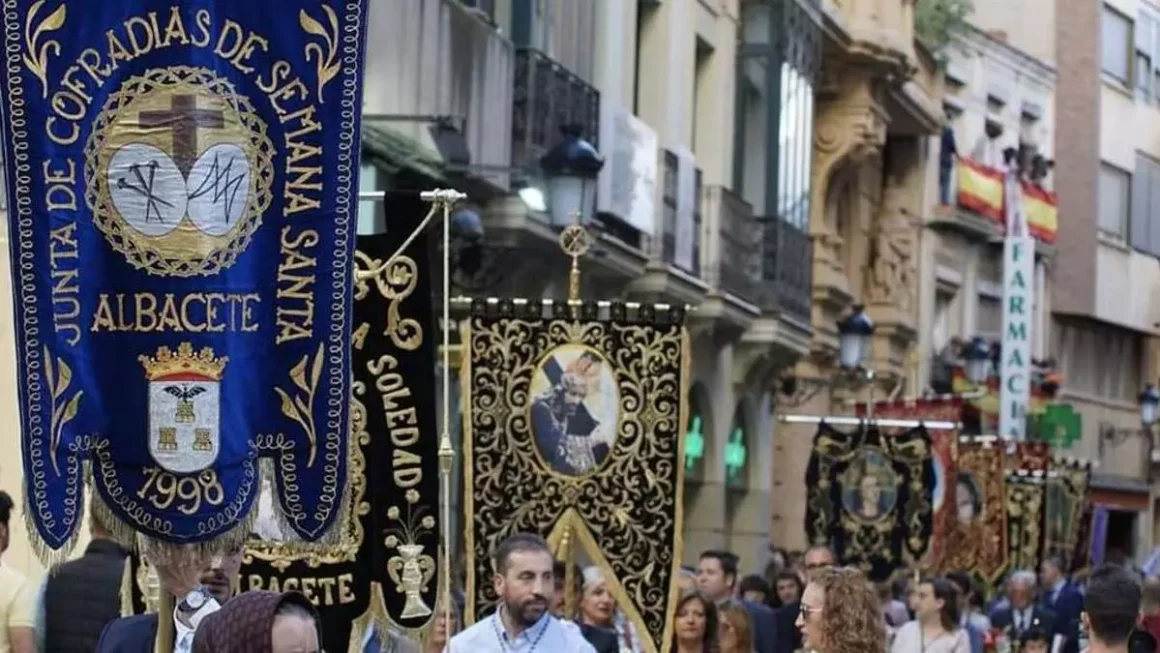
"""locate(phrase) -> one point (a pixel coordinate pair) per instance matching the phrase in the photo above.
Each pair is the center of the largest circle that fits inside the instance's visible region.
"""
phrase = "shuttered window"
(1144, 234)
(1114, 202)
(1116, 45)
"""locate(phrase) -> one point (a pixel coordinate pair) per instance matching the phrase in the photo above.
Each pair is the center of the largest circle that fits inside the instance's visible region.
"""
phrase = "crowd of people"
(801, 602)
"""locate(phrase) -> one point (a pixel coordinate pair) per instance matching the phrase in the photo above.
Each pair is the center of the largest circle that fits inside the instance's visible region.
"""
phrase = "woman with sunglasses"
(840, 614)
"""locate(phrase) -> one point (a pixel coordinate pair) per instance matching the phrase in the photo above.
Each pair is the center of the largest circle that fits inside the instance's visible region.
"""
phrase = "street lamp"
(977, 360)
(531, 196)
(854, 333)
(572, 168)
(1149, 402)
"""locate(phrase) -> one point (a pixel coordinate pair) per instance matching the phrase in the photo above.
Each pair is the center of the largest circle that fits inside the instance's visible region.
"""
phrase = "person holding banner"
(199, 589)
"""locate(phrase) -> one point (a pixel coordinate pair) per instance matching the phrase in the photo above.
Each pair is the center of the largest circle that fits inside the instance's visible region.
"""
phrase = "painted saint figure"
(571, 438)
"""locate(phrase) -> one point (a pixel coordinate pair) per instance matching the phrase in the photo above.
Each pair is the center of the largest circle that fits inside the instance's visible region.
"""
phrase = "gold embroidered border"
(632, 590)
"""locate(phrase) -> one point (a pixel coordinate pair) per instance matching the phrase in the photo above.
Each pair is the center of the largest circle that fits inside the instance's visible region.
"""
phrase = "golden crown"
(185, 361)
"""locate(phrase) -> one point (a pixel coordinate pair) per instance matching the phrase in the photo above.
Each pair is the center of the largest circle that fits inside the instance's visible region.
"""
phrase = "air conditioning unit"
(628, 182)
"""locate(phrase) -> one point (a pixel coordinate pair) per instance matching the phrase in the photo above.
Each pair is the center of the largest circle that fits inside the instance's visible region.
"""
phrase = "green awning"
(393, 151)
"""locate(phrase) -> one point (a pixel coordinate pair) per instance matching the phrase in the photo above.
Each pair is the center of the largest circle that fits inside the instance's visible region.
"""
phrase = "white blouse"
(908, 639)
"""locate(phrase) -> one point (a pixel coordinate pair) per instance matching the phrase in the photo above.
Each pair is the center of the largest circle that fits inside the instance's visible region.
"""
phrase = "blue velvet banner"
(182, 182)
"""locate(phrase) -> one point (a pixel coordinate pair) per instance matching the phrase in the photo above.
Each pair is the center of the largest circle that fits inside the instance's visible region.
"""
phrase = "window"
(1116, 44)
(947, 317)
(1114, 201)
(1100, 360)
(669, 214)
(1144, 218)
(1147, 71)
(990, 316)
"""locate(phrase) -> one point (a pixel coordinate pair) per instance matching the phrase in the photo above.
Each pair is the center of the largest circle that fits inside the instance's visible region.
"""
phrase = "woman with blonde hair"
(840, 614)
(598, 608)
(735, 632)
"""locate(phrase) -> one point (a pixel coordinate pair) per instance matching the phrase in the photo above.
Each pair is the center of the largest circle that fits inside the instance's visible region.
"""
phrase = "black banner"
(574, 431)
(383, 570)
(870, 497)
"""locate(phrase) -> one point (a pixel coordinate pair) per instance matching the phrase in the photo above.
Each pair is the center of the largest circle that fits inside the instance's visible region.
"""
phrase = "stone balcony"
(876, 29)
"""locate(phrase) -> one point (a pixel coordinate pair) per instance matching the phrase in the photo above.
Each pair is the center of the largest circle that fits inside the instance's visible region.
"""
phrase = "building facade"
(997, 98)
(701, 109)
(1105, 314)
(876, 108)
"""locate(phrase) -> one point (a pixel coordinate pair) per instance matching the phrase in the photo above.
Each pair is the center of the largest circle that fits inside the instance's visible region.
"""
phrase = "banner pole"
(165, 634)
(445, 200)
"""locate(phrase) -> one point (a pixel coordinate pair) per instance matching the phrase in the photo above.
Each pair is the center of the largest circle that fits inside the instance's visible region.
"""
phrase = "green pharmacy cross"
(735, 454)
(694, 444)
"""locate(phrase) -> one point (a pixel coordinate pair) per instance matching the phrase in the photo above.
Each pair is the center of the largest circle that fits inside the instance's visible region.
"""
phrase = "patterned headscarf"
(245, 623)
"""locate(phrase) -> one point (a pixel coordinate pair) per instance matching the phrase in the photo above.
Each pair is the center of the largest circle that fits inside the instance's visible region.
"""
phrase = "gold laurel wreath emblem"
(326, 63)
(300, 407)
(36, 57)
(64, 405)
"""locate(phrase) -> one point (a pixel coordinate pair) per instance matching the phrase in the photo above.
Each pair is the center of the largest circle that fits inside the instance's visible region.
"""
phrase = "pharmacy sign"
(1018, 278)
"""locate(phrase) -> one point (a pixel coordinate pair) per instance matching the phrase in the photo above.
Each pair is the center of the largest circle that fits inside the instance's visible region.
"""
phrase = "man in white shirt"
(525, 583)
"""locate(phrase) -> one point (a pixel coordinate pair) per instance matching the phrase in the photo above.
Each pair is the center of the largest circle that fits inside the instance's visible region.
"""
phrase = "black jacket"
(81, 596)
(1041, 617)
(789, 638)
(601, 639)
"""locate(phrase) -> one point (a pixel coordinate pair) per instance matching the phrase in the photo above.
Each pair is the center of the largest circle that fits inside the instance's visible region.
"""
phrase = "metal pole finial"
(575, 241)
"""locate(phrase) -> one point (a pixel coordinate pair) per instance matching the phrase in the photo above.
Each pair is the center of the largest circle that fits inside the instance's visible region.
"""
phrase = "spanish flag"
(1042, 211)
(980, 189)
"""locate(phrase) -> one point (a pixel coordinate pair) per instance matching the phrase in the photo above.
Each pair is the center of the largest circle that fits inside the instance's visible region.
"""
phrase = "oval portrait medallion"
(575, 409)
(179, 170)
(870, 487)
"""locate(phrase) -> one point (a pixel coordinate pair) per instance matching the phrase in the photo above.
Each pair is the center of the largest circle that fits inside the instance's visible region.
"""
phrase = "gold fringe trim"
(127, 589)
(298, 548)
(158, 552)
(48, 557)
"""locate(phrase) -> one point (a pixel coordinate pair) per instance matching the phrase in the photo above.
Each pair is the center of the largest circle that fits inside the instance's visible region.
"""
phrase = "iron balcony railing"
(785, 269)
(548, 98)
(732, 251)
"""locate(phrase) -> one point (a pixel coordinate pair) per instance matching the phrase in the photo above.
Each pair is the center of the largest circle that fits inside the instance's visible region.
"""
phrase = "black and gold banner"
(869, 497)
(573, 430)
(1067, 492)
(1081, 559)
(383, 571)
(1025, 497)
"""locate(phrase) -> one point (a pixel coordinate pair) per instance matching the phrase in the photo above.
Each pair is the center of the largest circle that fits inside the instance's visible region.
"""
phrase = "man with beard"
(199, 589)
(525, 584)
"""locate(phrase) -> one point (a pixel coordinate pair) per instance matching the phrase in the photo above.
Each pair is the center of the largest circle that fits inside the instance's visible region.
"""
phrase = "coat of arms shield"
(184, 407)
